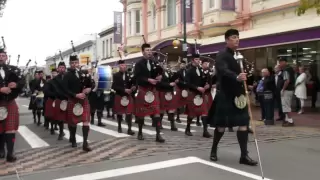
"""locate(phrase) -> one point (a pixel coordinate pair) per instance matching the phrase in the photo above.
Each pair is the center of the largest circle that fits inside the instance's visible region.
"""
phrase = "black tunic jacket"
(193, 80)
(120, 85)
(142, 73)
(11, 75)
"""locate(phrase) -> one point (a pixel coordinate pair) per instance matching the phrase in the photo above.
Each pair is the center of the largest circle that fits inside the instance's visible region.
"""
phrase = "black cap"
(73, 57)
(143, 46)
(282, 58)
(183, 62)
(40, 71)
(230, 32)
(54, 70)
(195, 55)
(48, 77)
(2, 50)
(121, 62)
(61, 64)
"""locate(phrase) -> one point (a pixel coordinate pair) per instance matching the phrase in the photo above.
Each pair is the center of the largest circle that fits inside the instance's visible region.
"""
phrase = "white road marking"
(25, 106)
(144, 131)
(155, 166)
(167, 127)
(32, 139)
(185, 124)
(107, 131)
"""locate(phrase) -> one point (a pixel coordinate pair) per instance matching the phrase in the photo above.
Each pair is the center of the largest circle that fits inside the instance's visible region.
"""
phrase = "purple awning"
(269, 40)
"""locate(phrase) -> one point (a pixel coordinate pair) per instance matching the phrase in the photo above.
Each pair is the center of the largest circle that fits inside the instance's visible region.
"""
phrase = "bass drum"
(104, 77)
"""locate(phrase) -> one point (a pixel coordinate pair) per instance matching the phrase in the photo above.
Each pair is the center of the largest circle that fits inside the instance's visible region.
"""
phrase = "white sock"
(290, 120)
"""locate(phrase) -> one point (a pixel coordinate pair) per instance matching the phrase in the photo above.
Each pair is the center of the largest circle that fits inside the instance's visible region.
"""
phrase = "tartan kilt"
(193, 110)
(48, 108)
(11, 123)
(59, 115)
(142, 108)
(119, 109)
(224, 113)
(84, 118)
(167, 105)
(181, 100)
(208, 98)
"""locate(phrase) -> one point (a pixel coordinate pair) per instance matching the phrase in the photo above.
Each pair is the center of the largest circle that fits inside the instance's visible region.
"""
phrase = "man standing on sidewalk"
(287, 90)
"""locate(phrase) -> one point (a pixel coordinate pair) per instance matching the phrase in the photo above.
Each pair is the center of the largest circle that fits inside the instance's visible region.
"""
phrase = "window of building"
(111, 43)
(171, 12)
(129, 23)
(138, 20)
(107, 48)
(212, 3)
(103, 50)
(154, 15)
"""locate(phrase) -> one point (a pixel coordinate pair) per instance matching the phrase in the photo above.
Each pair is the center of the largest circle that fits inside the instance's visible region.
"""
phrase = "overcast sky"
(36, 29)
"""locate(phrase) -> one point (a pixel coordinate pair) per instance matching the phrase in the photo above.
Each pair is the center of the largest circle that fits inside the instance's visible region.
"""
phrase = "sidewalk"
(309, 120)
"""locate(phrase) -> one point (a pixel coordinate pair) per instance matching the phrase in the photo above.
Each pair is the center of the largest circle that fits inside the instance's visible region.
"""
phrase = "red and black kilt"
(193, 110)
(49, 110)
(167, 105)
(119, 109)
(142, 108)
(181, 100)
(84, 118)
(11, 123)
(59, 115)
(208, 98)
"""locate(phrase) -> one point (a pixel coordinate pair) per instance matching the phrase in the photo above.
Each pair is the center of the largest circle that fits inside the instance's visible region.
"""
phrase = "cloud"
(36, 29)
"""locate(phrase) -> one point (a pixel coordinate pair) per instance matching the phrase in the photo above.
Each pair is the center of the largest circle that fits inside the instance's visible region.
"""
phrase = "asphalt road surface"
(287, 154)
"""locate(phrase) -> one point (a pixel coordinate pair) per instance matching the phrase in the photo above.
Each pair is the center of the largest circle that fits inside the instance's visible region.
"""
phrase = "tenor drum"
(105, 77)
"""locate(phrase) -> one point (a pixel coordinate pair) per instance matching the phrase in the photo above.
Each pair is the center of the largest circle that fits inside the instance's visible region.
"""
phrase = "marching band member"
(182, 89)
(49, 97)
(147, 100)
(168, 100)
(39, 95)
(124, 104)
(78, 108)
(97, 102)
(207, 79)
(11, 86)
(230, 107)
(196, 104)
(32, 103)
(61, 100)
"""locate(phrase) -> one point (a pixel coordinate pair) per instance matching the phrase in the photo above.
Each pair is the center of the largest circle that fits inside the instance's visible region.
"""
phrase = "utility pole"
(184, 45)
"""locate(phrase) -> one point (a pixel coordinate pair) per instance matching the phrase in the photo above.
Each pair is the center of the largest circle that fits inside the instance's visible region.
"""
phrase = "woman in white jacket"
(301, 88)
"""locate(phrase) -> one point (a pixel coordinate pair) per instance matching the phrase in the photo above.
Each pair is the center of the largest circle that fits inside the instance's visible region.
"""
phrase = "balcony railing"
(2, 6)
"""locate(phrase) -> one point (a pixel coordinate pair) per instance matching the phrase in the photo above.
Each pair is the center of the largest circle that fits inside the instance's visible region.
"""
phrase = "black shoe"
(74, 144)
(160, 139)
(11, 158)
(52, 131)
(206, 134)
(2, 154)
(188, 133)
(140, 136)
(178, 120)
(101, 124)
(60, 137)
(130, 132)
(86, 147)
(213, 155)
(248, 161)
(198, 123)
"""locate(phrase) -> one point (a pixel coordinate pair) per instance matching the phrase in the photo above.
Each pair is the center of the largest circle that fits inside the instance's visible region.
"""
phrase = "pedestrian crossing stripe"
(36, 141)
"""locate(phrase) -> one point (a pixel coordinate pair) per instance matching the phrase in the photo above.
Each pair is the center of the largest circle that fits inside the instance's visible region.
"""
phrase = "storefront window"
(308, 56)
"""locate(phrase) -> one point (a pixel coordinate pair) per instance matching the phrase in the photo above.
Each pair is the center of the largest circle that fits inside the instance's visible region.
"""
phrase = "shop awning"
(260, 32)
(129, 58)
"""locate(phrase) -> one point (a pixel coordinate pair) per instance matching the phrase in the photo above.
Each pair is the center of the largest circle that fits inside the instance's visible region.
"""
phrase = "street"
(286, 154)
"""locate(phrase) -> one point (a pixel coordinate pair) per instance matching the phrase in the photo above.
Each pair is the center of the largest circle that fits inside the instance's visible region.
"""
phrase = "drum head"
(124, 101)
(63, 105)
(149, 97)
(104, 76)
(198, 100)
(168, 96)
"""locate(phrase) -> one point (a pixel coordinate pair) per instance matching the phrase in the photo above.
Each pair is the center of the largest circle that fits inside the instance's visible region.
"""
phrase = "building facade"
(86, 52)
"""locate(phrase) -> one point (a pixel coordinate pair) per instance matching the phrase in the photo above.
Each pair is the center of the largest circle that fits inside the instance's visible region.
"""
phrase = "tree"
(307, 5)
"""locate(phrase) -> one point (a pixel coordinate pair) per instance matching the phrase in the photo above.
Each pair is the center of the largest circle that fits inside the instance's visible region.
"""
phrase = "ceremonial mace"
(240, 58)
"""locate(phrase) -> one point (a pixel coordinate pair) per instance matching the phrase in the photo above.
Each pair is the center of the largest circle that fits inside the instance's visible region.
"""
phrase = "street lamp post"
(185, 46)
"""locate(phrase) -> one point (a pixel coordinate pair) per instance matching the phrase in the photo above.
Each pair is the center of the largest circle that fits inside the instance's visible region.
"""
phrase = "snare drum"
(104, 76)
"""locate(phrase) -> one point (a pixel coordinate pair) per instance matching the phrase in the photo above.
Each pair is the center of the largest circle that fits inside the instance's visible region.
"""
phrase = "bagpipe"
(84, 75)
